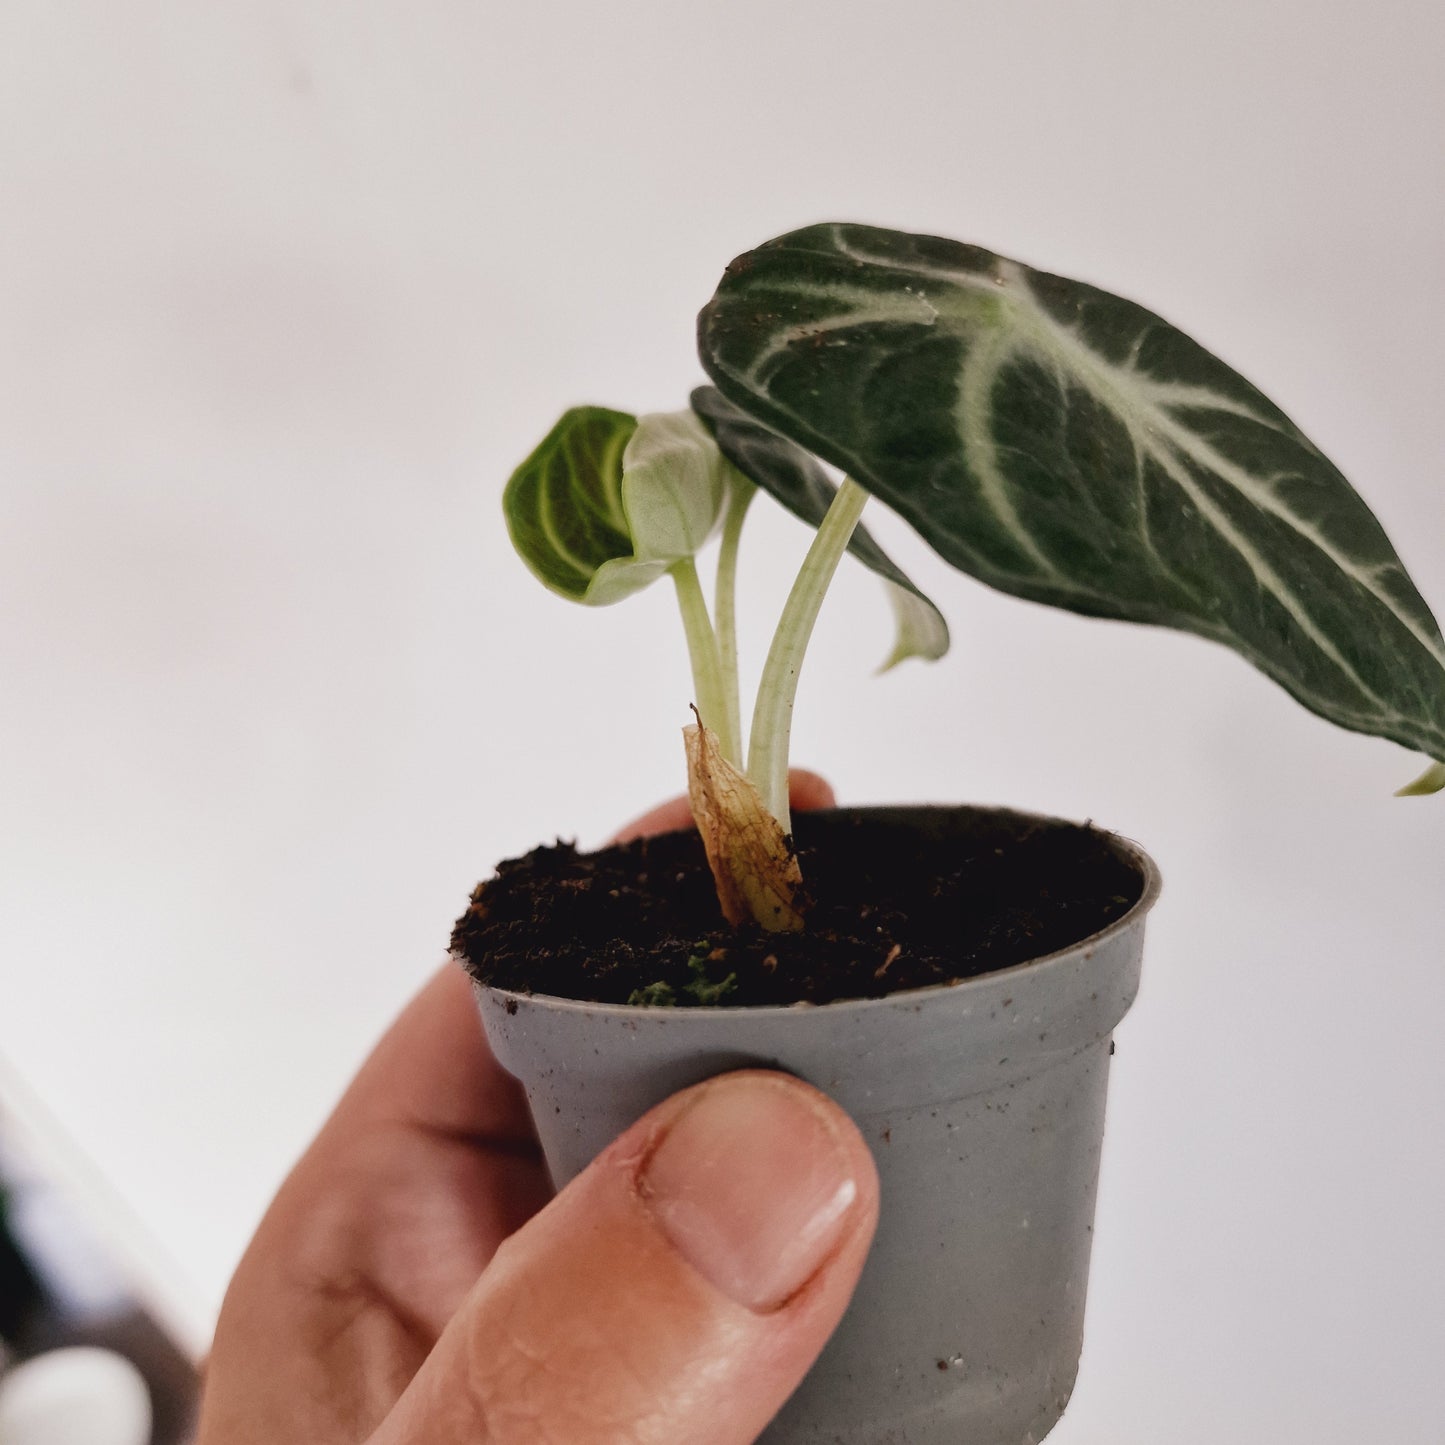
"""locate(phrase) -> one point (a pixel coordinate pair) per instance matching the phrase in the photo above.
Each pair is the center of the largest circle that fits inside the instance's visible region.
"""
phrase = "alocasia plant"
(1050, 439)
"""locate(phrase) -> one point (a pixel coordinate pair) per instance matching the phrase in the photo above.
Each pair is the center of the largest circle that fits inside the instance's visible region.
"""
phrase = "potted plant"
(952, 976)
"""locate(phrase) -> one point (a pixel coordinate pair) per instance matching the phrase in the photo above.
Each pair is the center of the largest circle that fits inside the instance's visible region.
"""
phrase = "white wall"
(285, 292)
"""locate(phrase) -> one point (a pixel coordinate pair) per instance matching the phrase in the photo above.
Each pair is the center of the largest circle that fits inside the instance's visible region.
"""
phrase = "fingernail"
(753, 1186)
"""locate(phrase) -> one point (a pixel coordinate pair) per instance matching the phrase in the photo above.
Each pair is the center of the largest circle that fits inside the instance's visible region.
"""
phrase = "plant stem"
(773, 712)
(702, 651)
(725, 607)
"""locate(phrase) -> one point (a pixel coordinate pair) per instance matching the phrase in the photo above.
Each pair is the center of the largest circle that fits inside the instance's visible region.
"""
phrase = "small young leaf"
(1073, 448)
(608, 503)
(796, 480)
(563, 505)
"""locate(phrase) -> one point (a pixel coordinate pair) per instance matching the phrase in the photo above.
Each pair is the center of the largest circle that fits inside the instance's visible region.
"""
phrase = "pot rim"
(958, 988)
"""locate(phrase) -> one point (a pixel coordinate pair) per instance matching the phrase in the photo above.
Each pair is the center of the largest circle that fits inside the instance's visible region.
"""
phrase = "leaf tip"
(921, 629)
(1432, 780)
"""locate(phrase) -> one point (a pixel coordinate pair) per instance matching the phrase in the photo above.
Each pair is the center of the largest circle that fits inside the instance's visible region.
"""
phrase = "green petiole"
(773, 711)
(709, 679)
(725, 603)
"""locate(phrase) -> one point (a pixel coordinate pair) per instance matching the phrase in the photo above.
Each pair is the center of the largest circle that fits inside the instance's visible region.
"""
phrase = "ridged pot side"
(983, 1105)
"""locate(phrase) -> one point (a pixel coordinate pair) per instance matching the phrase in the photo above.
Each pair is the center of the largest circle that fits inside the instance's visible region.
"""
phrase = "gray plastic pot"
(983, 1104)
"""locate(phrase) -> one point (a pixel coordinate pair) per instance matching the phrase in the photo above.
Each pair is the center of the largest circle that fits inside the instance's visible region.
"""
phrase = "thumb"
(678, 1289)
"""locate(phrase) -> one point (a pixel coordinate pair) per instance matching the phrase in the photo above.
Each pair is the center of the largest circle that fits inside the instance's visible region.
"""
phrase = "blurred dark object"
(19, 1286)
(58, 1288)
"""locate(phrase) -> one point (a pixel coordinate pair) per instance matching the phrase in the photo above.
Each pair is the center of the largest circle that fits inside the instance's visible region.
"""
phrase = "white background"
(285, 292)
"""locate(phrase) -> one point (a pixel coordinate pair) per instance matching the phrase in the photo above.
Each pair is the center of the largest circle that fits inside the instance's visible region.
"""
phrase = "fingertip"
(840, 1123)
(808, 790)
(673, 816)
(758, 1184)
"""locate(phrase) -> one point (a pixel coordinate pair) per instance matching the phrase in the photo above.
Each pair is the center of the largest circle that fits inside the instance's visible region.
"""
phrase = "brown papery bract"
(753, 864)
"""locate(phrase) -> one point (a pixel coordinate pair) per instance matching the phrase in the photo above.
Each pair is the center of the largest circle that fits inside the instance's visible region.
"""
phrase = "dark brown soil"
(901, 898)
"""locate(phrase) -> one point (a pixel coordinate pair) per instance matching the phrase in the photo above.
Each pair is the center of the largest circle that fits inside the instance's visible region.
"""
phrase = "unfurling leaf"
(752, 862)
(608, 502)
(796, 480)
(1070, 447)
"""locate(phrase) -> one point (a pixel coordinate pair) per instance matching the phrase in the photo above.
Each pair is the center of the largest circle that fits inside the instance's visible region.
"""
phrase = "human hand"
(413, 1285)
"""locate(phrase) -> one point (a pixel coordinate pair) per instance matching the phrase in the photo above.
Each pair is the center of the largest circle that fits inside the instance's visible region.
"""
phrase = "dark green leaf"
(1071, 447)
(796, 480)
